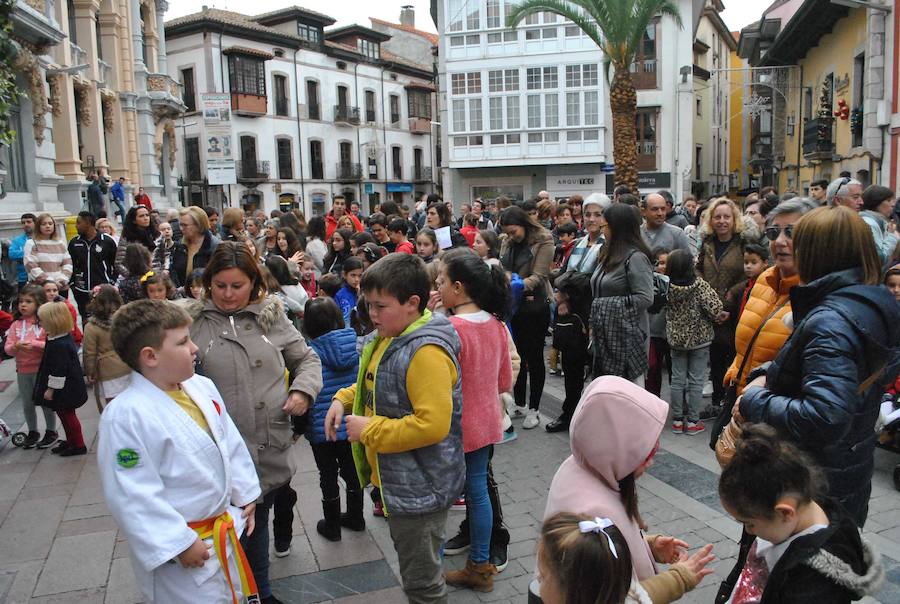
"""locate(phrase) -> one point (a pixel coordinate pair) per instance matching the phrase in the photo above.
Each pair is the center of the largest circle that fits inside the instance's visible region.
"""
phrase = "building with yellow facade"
(827, 115)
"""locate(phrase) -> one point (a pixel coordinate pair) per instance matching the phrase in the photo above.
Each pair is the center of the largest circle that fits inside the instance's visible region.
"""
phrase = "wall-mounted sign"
(217, 128)
(646, 180)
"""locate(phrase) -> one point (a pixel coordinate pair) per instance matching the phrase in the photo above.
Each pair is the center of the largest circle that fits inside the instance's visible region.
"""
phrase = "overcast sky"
(741, 13)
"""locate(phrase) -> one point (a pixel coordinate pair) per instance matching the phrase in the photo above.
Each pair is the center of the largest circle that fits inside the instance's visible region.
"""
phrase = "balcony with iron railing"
(347, 115)
(818, 138)
(252, 170)
(421, 173)
(348, 171)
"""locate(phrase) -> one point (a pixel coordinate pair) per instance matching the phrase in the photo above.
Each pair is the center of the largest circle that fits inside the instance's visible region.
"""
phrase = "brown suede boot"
(479, 577)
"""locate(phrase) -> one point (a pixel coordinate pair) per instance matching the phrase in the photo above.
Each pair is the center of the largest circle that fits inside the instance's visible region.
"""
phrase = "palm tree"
(617, 27)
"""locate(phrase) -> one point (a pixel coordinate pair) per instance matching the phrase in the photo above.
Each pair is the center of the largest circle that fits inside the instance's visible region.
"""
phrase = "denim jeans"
(481, 516)
(256, 546)
(688, 375)
(121, 210)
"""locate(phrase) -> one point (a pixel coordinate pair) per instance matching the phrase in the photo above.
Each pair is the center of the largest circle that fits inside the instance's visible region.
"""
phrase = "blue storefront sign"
(399, 187)
(370, 188)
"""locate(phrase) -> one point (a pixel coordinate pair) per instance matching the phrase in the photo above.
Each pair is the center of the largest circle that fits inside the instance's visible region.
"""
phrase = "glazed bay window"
(643, 70)
(310, 33)
(645, 129)
(247, 75)
(418, 103)
(368, 48)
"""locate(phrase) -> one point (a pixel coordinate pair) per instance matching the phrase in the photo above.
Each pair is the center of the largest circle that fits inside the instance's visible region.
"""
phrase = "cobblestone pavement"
(58, 542)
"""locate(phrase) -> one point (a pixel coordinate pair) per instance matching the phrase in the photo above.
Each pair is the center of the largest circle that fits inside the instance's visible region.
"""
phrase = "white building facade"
(528, 109)
(314, 113)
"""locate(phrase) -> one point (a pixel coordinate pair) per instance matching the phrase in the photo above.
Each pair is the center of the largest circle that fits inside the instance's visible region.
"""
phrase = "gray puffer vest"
(428, 479)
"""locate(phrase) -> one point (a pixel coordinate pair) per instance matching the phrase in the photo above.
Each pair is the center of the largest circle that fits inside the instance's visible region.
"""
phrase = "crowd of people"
(403, 344)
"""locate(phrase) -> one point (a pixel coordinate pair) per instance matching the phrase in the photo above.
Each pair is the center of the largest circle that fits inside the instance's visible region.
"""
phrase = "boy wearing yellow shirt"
(405, 423)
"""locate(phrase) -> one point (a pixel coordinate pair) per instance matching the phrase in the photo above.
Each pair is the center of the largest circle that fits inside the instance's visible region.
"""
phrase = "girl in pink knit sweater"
(25, 341)
(477, 297)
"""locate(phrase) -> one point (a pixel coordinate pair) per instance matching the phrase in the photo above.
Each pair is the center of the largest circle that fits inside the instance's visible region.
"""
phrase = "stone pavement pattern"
(59, 544)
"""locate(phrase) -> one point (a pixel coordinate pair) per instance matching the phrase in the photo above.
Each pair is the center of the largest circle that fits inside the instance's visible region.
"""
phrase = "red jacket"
(405, 248)
(469, 233)
(331, 224)
(144, 200)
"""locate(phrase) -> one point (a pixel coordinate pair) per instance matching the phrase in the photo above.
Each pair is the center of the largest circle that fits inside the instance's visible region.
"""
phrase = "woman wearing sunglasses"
(768, 306)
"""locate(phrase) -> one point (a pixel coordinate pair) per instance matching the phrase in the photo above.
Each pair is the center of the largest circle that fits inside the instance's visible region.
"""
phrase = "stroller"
(889, 433)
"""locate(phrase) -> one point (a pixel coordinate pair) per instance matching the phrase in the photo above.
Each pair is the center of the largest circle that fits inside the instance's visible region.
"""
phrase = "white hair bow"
(599, 525)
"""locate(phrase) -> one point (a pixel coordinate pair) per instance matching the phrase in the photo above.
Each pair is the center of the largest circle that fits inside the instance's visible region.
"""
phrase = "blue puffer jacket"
(340, 365)
(844, 333)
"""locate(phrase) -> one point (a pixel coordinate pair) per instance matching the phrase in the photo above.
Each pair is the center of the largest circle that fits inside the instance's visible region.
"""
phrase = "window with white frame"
(512, 112)
(537, 78)
(551, 110)
(475, 115)
(493, 14)
(591, 108)
(582, 106)
(459, 116)
(573, 109)
(495, 108)
(473, 15)
(455, 14)
(503, 80)
(506, 36)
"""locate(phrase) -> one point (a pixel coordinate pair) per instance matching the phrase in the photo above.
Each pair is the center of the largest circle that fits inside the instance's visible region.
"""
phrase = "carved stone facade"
(95, 79)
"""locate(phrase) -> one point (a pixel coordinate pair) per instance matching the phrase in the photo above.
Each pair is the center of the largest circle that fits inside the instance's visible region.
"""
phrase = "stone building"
(96, 96)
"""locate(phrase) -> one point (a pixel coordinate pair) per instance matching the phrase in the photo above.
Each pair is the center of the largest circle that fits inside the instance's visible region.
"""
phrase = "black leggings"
(333, 458)
(528, 333)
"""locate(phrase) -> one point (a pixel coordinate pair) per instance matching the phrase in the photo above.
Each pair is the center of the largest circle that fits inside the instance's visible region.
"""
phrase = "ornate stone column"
(161, 7)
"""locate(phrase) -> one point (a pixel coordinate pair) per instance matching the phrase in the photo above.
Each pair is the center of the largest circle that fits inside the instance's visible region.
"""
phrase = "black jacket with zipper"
(93, 262)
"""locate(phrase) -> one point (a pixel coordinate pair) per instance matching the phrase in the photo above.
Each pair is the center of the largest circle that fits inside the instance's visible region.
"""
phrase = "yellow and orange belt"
(221, 528)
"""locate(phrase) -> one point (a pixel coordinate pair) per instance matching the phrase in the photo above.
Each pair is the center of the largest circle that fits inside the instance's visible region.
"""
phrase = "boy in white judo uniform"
(174, 468)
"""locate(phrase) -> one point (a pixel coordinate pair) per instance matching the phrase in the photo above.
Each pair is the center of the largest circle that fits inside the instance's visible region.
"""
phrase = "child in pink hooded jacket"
(614, 434)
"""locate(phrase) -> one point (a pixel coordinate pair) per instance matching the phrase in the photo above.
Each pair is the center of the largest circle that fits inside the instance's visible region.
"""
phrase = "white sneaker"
(532, 420)
(512, 409)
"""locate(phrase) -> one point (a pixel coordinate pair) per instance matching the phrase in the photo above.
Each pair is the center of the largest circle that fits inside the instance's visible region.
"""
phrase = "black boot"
(330, 527)
(353, 518)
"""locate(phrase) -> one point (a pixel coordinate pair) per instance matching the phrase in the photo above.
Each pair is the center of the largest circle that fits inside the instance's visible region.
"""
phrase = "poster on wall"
(220, 167)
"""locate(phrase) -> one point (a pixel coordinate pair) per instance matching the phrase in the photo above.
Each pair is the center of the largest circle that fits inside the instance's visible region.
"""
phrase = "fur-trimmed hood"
(841, 572)
(267, 311)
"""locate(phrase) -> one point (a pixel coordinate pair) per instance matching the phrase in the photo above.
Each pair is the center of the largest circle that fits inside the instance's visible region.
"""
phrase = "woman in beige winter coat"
(246, 345)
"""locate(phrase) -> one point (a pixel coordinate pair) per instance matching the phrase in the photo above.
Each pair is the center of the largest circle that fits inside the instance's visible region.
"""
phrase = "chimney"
(408, 15)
